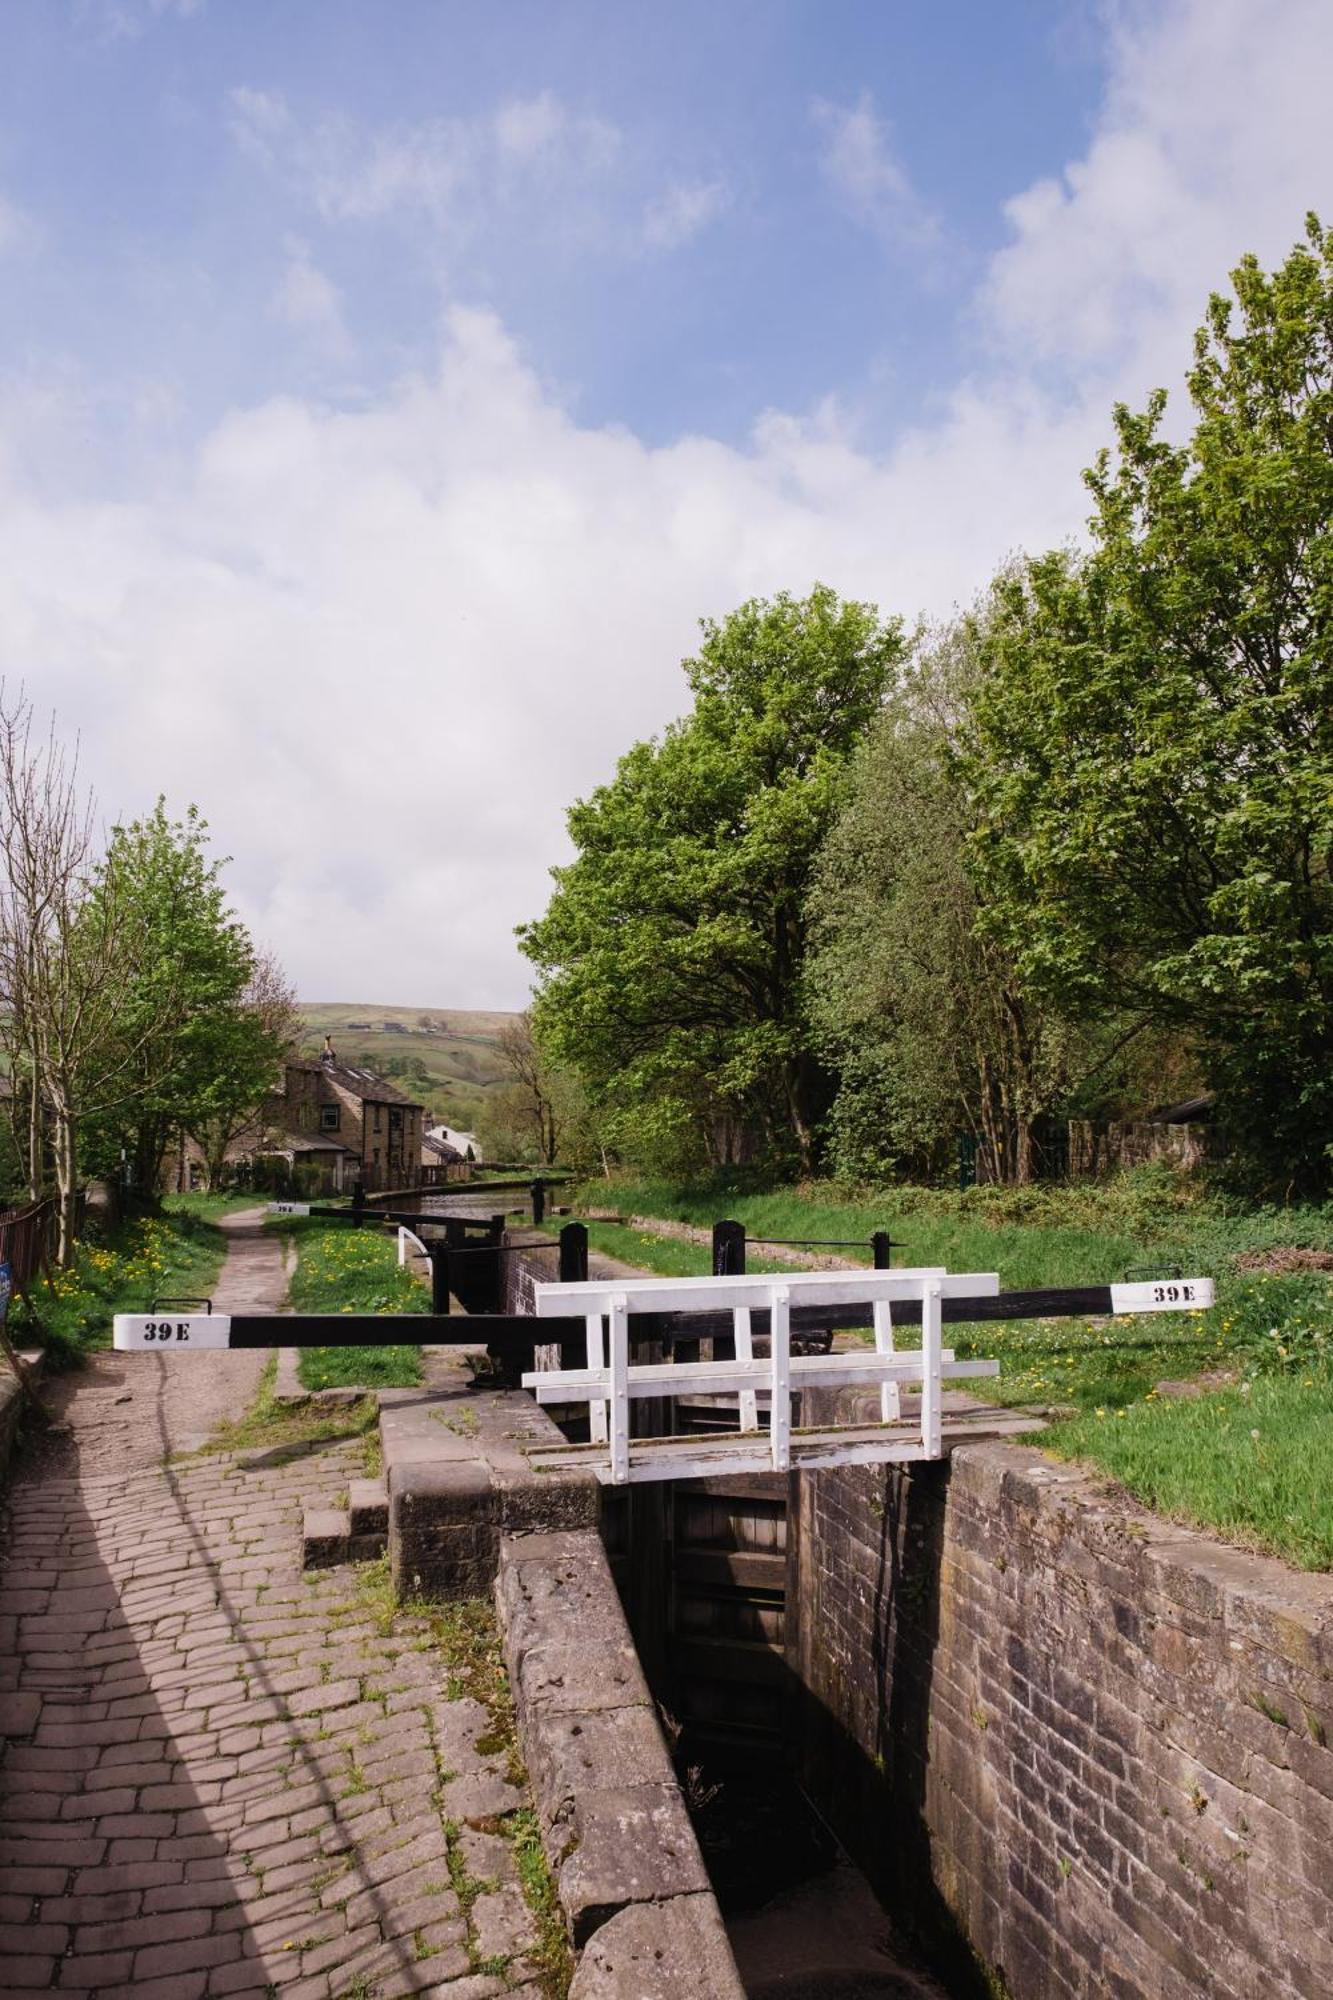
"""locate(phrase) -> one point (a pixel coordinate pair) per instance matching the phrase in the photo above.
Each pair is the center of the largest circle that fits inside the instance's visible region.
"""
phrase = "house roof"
(362, 1083)
(441, 1148)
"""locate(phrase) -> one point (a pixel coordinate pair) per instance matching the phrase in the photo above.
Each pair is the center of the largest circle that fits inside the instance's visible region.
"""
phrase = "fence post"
(881, 1250)
(439, 1277)
(358, 1200)
(538, 1192)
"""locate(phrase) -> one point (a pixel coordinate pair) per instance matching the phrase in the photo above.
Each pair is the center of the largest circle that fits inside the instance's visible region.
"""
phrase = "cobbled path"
(222, 1777)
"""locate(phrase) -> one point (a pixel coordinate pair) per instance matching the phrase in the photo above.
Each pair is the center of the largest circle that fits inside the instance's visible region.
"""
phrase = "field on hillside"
(444, 1058)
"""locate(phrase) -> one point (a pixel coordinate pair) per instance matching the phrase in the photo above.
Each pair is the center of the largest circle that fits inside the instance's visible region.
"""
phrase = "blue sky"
(387, 388)
(680, 254)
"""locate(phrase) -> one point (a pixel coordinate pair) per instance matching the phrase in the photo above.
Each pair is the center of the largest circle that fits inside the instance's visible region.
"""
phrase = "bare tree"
(60, 970)
(531, 1083)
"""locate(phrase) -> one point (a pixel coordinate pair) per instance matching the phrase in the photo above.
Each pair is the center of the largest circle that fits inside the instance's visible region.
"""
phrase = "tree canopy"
(1155, 753)
(673, 949)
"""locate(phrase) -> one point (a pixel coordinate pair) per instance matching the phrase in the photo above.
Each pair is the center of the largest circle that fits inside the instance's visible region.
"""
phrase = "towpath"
(223, 1776)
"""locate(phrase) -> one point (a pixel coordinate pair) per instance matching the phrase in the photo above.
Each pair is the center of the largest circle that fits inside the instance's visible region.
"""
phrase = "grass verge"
(341, 1269)
(1253, 1463)
(269, 1425)
(175, 1254)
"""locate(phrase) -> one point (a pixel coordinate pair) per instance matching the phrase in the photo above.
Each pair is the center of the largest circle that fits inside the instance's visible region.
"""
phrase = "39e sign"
(137, 1332)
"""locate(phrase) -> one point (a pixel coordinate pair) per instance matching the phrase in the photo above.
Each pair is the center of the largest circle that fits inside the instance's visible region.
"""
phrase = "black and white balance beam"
(208, 1331)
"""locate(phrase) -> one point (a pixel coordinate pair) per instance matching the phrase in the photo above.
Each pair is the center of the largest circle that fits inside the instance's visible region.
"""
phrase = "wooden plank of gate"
(736, 1452)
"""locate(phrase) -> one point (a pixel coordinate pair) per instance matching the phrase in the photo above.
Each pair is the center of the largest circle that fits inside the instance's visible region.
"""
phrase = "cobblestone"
(222, 1777)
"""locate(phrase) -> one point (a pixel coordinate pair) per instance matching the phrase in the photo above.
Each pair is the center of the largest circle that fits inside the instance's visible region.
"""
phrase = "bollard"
(538, 1192)
(881, 1249)
(573, 1271)
(439, 1277)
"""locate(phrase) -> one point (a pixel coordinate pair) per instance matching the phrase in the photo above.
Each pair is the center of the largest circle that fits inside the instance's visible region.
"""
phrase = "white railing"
(609, 1383)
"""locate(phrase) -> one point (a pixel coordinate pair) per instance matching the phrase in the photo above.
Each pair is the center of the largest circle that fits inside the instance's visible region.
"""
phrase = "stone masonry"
(1090, 1744)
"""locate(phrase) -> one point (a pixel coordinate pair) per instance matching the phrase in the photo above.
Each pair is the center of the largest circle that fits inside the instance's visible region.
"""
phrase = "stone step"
(368, 1505)
(326, 1534)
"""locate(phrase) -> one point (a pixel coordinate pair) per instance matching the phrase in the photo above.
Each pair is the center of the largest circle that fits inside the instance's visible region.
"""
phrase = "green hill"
(444, 1057)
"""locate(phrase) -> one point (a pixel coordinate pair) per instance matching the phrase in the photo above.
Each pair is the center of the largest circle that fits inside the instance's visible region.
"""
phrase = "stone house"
(324, 1127)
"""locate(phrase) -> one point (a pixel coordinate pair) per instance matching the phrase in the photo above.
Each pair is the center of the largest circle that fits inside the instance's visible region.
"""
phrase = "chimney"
(330, 1054)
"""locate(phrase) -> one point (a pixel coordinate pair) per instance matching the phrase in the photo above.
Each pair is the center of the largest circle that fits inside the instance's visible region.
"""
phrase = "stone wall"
(1088, 1744)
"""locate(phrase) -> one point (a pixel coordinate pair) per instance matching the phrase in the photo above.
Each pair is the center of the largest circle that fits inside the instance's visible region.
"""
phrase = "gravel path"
(223, 1776)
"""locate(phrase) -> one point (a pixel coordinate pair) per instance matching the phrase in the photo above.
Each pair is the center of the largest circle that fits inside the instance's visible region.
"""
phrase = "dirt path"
(223, 1776)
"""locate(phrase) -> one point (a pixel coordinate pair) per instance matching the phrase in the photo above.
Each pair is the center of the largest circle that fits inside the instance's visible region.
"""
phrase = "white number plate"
(1163, 1295)
(151, 1332)
(289, 1208)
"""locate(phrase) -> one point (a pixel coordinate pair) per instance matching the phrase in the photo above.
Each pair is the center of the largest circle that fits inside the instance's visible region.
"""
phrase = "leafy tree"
(246, 1041)
(194, 1040)
(923, 1014)
(1156, 721)
(673, 949)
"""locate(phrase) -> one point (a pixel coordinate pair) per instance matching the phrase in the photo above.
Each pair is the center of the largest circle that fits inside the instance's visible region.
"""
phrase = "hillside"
(443, 1057)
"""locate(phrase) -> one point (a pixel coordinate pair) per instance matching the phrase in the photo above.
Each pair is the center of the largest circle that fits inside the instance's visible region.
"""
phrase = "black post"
(573, 1271)
(574, 1253)
(439, 1277)
(728, 1249)
(538, 1192)
(358, 1200)
(882, 1250)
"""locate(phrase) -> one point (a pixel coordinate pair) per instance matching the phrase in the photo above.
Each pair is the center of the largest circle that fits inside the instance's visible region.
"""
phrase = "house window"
(395, 1120)
(377, 1118)
(330, 1117)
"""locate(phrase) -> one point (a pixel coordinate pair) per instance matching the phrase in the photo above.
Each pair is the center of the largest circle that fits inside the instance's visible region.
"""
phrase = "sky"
(388, 387)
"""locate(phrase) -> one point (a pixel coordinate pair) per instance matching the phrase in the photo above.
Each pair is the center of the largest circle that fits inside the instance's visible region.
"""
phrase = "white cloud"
(309, 301)
(384, 648)
(861, 166)
(678, 215)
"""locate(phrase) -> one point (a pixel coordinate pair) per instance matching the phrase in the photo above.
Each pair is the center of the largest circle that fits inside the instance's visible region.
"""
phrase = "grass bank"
(344, 1270)
(175, 1254)
(1253, 1460)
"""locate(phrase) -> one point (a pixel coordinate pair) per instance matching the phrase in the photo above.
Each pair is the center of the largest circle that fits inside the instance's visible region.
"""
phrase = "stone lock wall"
(1089, 1745)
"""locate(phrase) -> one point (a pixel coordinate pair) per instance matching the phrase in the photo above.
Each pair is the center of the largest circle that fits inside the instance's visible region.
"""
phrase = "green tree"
(245, 1041)
(1156, 763)
(192, 1041)
(673, 950)
(923, 1014)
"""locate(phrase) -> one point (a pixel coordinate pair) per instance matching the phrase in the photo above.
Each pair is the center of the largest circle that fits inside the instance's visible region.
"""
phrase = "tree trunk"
(67, 1182)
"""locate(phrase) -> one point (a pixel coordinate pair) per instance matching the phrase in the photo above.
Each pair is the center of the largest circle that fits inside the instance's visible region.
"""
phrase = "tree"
(923, 1014)
(1156, 726)
(246, 1044)
(190, 1045)
(62, 959)
(672, 952)
(532, 1090)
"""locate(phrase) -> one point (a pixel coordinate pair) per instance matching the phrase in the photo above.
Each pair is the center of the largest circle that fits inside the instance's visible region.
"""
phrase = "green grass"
(1254, 1463)
(341, 1269)
(176, 1254)
(268, 1424)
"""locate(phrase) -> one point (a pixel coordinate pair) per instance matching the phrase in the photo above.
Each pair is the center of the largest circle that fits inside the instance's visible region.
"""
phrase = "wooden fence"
(28, 1240)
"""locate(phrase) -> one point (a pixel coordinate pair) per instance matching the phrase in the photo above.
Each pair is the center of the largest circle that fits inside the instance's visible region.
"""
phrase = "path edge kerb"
(468, 1517)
